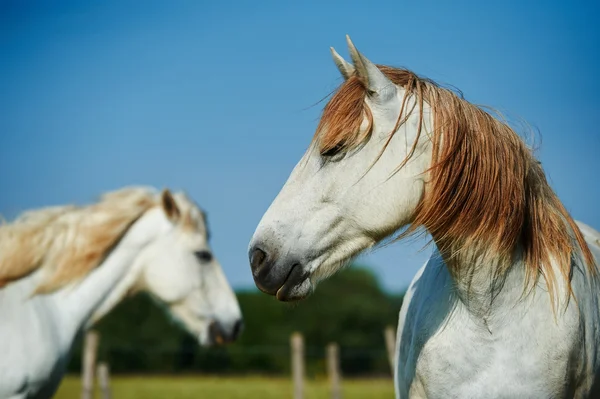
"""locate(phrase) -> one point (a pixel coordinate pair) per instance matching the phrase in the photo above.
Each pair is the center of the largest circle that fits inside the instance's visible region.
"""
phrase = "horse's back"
(592, 237)
(587, 292)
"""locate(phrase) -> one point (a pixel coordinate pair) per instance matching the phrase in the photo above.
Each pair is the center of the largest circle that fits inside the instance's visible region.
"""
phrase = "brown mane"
(68, 241)
(486, 194)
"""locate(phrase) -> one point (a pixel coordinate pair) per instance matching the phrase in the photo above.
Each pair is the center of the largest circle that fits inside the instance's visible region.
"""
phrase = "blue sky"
(217, 99)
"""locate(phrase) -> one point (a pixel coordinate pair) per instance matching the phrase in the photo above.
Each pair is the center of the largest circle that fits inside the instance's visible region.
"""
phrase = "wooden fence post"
(390, 345)
(104, 380)
(90, 348)
(297, 343)
(333, 370)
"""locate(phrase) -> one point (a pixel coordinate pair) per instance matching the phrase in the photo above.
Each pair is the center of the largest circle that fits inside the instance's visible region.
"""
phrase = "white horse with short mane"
(508, 304)
(63, 268)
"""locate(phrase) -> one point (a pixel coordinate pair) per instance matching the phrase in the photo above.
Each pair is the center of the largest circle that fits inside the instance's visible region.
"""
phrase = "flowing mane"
(486, 194)
(68, 241)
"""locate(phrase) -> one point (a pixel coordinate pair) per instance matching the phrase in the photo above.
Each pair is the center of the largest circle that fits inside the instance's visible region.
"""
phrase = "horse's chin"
(203, 340)
(195, 326)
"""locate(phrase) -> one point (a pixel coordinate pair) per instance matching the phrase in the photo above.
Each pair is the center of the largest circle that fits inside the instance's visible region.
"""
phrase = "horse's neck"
(478, 287)
(488, 295)
(102, 288)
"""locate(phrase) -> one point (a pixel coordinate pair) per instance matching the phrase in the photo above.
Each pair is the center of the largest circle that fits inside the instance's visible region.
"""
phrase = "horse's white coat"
(36, 333)
(448, 347)
(518, 350)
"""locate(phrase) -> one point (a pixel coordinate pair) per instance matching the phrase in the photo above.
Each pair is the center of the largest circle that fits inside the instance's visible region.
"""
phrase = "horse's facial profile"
(181, 272)
(347, 192)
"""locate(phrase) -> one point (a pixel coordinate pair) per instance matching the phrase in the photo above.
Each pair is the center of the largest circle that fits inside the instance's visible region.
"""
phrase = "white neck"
(487, 296)
(478, 287)
(105, 286)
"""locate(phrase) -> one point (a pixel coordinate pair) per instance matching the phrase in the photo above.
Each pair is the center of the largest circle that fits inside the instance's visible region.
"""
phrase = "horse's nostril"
(216, 333)
(237, 329)
(257, 258)
(221, 336)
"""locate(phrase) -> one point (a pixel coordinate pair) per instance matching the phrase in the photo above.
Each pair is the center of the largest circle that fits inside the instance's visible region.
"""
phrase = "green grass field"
(153, 387)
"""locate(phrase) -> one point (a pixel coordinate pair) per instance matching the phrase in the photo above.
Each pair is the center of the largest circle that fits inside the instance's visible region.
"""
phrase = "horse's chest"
(49, 349)
(528, 359)
(465, 367)
(33, 351)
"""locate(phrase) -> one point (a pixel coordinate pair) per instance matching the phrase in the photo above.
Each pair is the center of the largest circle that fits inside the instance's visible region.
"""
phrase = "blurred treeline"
(350, 308)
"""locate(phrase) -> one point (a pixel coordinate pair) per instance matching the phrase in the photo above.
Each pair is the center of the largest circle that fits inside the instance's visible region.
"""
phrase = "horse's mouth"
(296, 286)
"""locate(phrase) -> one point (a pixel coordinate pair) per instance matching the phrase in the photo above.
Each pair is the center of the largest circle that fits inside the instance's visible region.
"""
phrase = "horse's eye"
(203, 256)
(333, 150)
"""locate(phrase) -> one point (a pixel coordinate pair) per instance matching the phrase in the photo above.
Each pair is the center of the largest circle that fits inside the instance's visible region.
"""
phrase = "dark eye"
(203, 256)
(333, 150)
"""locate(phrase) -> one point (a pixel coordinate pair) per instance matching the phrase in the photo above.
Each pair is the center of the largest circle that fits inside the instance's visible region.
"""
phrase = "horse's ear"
(170, 206)
(380, 87)
(345, 68)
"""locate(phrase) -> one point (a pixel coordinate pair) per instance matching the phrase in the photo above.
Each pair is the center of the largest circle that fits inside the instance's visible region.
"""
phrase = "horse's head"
(350, 190)
(181, 272)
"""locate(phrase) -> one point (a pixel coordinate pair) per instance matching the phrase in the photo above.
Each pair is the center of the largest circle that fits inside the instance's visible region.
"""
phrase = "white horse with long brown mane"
(508, 304)
(63, 268)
